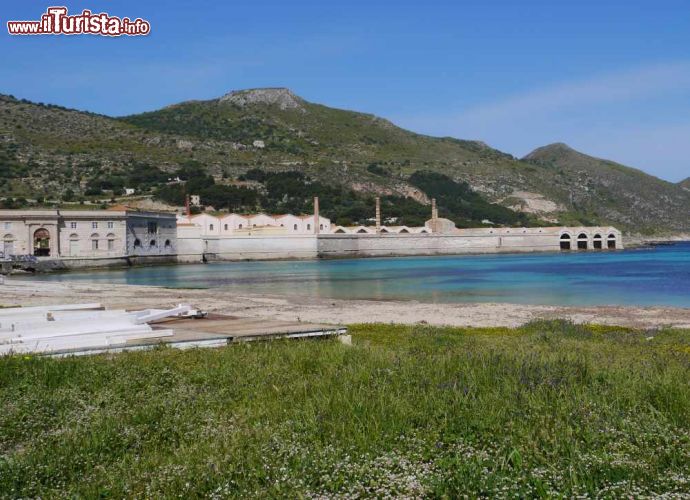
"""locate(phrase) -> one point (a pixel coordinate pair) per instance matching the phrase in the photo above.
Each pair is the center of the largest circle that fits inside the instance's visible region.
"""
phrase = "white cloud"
(631, 116)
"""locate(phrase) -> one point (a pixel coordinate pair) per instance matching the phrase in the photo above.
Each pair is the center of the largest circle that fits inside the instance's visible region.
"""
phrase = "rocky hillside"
(615, 192)
(51, 152)
(685, 184)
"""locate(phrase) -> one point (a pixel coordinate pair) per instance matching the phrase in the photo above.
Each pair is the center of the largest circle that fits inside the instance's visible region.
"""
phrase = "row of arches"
(582, 241)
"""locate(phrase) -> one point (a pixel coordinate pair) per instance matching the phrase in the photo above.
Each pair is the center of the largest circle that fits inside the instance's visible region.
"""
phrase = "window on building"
(152, 243)
(294, 228)
(210, 227)
(94, 225)
(240, 226)
(111, 242)
(73, 225)
(167, 244)
(137, 243)
(320, 226)
(94, 242)
(226, 227)
(111, 225)
(308, 227)
(152, 227)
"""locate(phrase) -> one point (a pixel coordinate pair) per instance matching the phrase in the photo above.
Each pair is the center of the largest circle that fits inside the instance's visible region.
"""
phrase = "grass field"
(550, 409)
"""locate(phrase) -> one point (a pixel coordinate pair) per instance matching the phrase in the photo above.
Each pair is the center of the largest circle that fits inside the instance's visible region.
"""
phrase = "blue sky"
(610, 78)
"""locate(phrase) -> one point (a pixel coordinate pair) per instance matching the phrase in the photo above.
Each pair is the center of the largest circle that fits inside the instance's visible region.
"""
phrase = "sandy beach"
(17, 292)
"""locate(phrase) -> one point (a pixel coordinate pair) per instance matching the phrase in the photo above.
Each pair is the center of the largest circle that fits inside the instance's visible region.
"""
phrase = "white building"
(87, 234)
(237, 224)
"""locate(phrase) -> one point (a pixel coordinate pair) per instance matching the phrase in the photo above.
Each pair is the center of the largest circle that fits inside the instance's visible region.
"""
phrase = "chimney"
(316, 215)
(378, 215)
(434, 212)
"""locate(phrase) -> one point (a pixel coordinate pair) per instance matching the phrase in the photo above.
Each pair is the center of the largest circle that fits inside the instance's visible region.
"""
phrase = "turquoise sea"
(649, 276)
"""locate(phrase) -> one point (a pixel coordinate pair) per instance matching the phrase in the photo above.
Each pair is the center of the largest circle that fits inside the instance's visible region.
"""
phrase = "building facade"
(246, 225)
(86, 234)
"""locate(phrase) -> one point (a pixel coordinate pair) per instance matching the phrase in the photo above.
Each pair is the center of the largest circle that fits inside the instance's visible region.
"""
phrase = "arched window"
(403, 230)
(94, 241)
(362, 230)
(321, 226)
(111, 242)
(210, 227)
(240, 226)
(308, 227)
(167, 244)
(152, 243)
(226, 227)
(137, 243)
(294, 228)
(565, 241)
(582, 241)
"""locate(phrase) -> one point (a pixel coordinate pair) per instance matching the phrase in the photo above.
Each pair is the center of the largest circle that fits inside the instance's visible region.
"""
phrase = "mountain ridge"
(52, 149)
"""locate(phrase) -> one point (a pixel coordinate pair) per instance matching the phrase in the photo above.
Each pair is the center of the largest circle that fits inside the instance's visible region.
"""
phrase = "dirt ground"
(15, 292)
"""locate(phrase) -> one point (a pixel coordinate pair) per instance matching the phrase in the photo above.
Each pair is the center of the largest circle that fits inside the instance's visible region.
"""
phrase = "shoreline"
(16, 292)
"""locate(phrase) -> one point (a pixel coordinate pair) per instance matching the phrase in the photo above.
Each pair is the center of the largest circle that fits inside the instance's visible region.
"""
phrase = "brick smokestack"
(434, 212)
(316, 215)
(378, 214)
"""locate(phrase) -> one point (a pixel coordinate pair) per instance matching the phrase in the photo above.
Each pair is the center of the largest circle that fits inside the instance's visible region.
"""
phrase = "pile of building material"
(77, 328)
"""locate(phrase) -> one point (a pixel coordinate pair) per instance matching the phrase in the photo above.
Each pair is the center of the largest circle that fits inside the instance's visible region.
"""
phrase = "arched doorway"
(611, 242)
(597, 242)
(42, 243)
(565, 242)
(582, 241)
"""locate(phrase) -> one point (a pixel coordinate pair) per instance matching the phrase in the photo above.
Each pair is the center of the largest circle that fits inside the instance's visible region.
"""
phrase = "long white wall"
(193, 247)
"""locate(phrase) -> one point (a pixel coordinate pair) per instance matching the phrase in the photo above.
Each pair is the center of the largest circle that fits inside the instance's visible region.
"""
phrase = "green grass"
(550, 409)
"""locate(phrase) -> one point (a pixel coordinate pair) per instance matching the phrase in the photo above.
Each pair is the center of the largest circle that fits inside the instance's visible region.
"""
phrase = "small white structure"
(129, 191)
(259, 144)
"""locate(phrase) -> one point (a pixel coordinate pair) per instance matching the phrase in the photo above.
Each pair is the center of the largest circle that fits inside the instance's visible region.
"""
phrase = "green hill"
(49, 152)
(615, 192)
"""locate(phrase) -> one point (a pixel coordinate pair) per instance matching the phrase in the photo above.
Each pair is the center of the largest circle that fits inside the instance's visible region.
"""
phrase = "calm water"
(655, 276)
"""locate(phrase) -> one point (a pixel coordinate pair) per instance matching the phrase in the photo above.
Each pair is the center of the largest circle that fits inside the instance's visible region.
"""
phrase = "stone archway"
(565, 241)
(42, 243)
(611, 242)
(582, 241)
(597, 242)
